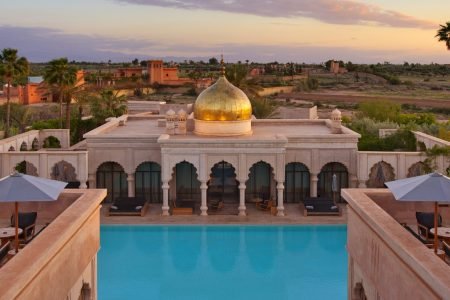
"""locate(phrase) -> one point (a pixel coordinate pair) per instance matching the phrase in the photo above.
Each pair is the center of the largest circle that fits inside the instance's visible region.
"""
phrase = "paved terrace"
(228, 215)
(147, 126)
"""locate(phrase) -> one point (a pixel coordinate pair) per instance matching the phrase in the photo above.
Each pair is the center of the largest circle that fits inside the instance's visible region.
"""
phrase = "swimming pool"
(222, 262)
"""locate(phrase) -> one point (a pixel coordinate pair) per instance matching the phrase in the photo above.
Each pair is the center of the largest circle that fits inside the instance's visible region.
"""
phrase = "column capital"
(203, 185)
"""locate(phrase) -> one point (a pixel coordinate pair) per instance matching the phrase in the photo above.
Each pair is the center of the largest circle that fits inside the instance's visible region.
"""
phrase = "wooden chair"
(425, 221)
(264, 205)
(4, 253)
(216, 205)
(446, 248)
(27, 222)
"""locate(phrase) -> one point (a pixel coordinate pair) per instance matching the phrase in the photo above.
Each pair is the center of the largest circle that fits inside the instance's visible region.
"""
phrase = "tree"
(61, 78)
(11, 69)
(135, 62)
(108, 104)
(237, 75)
(213, 61)
(443, 34)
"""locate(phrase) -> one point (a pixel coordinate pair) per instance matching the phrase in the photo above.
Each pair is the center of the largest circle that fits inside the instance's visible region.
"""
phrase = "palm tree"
(107, 104)
(11, 68)
(61, 79)
(443, 34)
(262, 107)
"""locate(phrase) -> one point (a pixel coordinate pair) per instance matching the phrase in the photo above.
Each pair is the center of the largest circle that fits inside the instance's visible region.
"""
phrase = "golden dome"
(222, 102)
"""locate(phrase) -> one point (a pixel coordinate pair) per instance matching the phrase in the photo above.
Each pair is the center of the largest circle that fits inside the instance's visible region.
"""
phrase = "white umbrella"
(19, 187)
(433, 187)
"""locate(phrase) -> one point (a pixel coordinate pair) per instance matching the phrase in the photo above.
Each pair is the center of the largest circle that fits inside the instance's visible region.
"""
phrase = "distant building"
(258, 71)
(35, 90)
(335, 68)
(128, 72)
(158, 74)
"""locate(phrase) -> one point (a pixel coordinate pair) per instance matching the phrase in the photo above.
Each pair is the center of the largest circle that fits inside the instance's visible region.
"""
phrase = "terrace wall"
(63, 257)
(386, 261)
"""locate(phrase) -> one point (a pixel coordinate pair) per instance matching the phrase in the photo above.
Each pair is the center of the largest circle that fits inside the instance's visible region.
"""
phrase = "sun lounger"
(320, 207)
(128, 206)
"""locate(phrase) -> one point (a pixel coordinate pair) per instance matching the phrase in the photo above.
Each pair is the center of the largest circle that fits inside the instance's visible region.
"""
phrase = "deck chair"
(425, 221)
(27, 222)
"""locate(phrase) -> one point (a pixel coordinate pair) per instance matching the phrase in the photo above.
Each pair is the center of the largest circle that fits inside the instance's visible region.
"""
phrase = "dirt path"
(331, 97)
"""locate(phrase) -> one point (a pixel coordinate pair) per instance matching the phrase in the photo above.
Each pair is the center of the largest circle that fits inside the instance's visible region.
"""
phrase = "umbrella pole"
(435, 227)
(16, 218)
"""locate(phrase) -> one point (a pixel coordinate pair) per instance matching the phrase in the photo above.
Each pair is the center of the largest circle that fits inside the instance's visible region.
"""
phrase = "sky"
(310, 31)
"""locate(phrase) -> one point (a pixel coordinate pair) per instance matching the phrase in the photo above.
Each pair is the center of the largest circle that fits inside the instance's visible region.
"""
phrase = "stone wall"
(385, 260)
(62, 257)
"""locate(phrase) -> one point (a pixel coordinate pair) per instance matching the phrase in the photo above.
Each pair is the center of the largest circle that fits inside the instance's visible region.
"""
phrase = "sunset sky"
(364, 31)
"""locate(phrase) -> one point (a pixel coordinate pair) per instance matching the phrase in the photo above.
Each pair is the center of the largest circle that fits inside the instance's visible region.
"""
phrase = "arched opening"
(297, 181)
(222, 184)
(64, 171)
(187, 184)
(148, 182)
(35, 145)
(325, 183)
(380, 173)
(23, 146)
(417, 169)
(26, 167)
(260, 182)
(110, 175)
(11, 148)
(51, 142)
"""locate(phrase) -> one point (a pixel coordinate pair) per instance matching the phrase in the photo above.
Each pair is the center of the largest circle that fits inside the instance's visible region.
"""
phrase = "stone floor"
(293, 215)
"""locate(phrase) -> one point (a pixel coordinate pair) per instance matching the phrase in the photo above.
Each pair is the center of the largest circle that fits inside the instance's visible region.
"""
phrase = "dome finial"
(222, 66)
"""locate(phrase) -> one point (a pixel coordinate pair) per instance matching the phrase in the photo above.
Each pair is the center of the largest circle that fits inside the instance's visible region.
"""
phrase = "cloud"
(328, 11)
(44, 44)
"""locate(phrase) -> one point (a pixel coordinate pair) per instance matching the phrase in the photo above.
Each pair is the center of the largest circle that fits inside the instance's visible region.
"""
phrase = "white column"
(131, 187)
(362, 184)
(280, 191)
(242, 208)
(83, 184)
(165, 206)
(313, 185)
(92, 178)
(204, 206)
(353, 181)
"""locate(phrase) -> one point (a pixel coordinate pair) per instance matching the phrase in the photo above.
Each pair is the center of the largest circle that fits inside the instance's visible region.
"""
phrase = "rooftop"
(262, 129)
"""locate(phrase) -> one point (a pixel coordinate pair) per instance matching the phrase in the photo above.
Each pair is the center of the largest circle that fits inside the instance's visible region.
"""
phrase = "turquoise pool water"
(222, 262)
